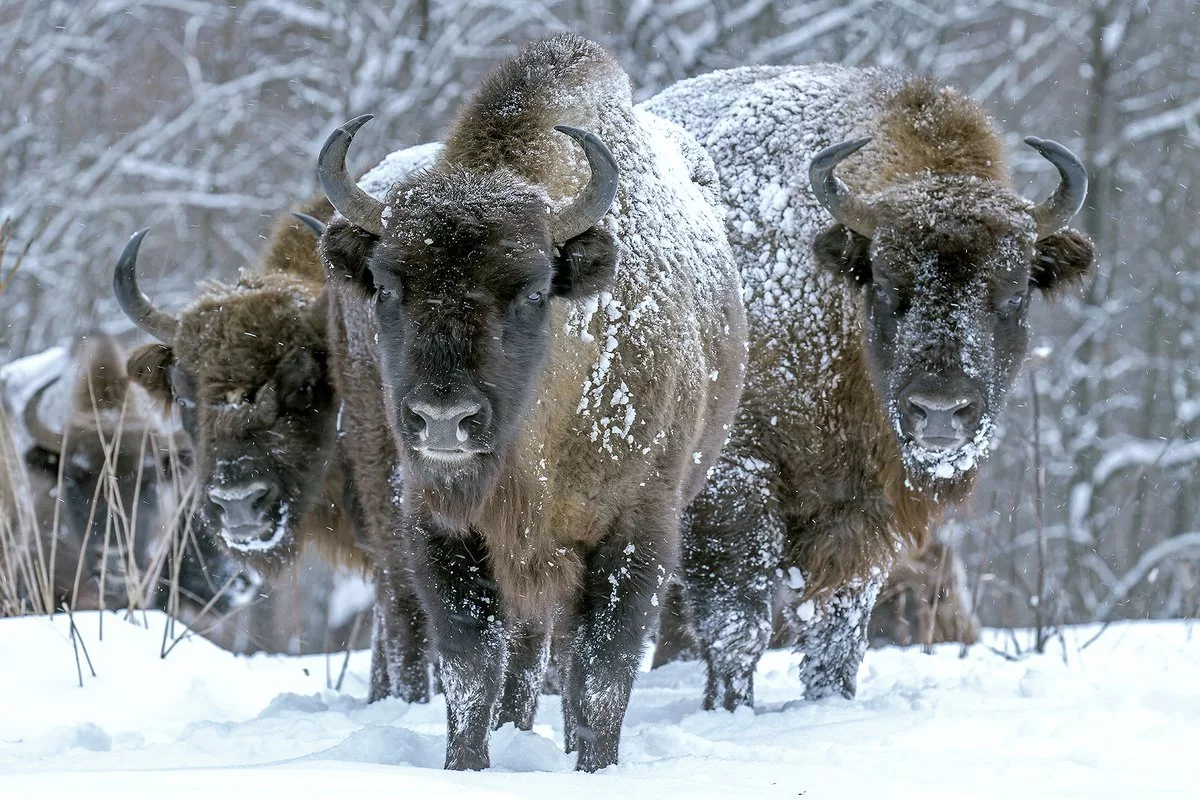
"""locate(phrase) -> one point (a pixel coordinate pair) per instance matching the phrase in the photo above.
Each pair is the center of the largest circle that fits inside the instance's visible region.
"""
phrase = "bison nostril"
(942, 421)
(418, 420)
(444, 427)
(245, 504)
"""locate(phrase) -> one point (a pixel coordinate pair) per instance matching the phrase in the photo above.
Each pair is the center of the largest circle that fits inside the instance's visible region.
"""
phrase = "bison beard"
(881, 347)
(554, 405)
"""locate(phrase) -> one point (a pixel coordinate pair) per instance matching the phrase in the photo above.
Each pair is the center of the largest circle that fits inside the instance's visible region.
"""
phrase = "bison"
(889, 268)
(925, 601)
(557, 379)
(95, 520)
(246, 368)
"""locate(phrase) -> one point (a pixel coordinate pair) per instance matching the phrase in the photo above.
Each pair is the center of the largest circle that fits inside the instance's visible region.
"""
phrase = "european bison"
(557, 379)
(925, 601)
(86, 517)
(881, 345)
(245, 366)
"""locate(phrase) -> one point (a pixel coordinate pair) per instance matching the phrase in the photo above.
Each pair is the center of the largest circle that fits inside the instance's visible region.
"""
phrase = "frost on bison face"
(946, 265)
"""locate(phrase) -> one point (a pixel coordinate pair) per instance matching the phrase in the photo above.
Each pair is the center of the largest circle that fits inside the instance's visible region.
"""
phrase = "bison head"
(946, 265)
(103, 471)
(460, 269)
(245, 366)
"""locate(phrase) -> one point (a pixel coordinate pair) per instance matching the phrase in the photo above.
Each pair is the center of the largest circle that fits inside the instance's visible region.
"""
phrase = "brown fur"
(930, 127)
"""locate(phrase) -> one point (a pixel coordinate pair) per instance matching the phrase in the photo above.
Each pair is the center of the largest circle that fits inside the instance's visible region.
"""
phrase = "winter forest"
(202, 121)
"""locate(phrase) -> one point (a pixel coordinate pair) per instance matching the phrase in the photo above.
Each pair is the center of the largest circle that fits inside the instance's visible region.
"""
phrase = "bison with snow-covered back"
(246, 367)
(558, 379)
(882, 342)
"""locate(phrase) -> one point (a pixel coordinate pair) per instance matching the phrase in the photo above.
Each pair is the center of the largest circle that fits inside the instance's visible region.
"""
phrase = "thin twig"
(349, 645)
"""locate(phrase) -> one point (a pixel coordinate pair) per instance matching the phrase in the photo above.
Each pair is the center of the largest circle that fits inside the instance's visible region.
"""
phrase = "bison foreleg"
(732, 541)
(832, 635)
(616, 612)
(399, 667)
(458, 593)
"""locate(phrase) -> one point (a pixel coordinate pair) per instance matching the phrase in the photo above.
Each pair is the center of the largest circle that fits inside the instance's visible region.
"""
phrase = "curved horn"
(45, 438)
(833, 195)
(136, 305)
(1053, 213)
(353, 203)
(594, 201)
(312, 223)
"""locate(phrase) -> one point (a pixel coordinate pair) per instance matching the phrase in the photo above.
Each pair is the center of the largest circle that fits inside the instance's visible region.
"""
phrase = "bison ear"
(346, 251)
(1062, 260)
(149, 367)
(844, 253)
(39, 459)
(585, 264)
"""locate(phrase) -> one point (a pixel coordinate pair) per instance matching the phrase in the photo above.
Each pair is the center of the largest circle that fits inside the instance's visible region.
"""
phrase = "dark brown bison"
(246, 368)
(95, 521)
(925, 601)
(557, 379)
(882, 342)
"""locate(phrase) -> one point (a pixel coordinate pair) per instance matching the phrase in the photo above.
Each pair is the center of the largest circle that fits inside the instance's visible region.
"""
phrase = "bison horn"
(43, 436)
(353, 203)
(1053, 213)
(312, 223)
(833, 195)
(594, 201)
(136, 305)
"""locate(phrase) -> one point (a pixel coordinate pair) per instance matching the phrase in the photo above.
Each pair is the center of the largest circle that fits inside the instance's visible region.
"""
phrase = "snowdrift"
(1120, 718)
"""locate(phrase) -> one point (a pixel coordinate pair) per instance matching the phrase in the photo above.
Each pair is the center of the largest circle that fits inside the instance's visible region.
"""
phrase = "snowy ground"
(1119, 719)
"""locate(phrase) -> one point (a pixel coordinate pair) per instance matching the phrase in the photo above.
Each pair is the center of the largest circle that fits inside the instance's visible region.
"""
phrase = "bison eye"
(384, 295)
(536, 297)
(1015, 302)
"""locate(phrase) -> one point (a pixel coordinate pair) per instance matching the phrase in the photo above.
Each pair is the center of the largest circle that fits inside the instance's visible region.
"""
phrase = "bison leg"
(529, 651)
(832, 635)
(399, 666)
(732, 541)
(455, 584)
(616, 611)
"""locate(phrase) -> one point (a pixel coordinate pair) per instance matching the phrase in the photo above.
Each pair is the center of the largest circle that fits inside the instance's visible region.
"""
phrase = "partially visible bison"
(889, 267)
(925, 601)
(558, 379)
(244, 365)
(246, 368)
(86, 517)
